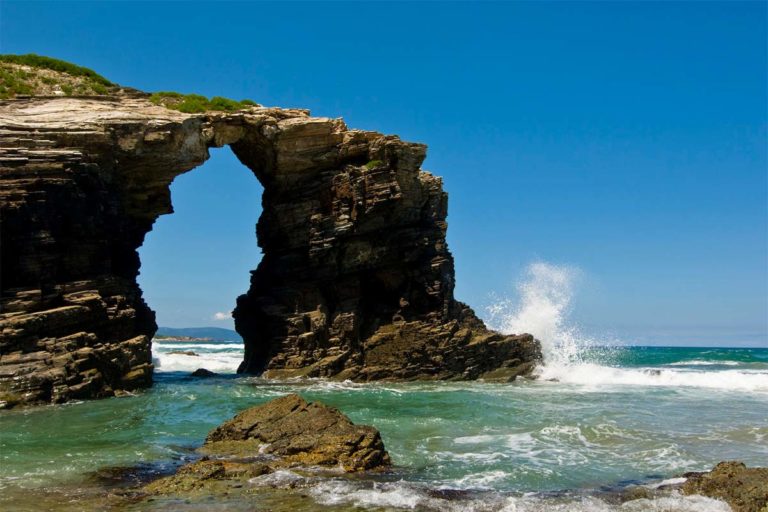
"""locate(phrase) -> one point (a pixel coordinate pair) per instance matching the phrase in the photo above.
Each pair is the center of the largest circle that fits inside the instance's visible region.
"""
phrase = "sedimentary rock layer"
(356, 280)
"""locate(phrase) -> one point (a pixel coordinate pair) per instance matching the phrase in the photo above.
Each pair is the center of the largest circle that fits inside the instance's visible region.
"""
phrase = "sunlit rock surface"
(356, 280)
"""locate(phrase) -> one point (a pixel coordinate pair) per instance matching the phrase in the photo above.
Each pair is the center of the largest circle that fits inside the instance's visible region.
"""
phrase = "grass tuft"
(39, 61)
(195, 103)
(373, 164)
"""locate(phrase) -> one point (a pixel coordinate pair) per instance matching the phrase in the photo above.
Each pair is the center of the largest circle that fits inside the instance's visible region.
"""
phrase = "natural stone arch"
(356, 280)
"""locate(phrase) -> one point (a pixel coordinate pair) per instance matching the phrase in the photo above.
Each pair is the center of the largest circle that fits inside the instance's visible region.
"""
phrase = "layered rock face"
(356, 280)
(81, 183)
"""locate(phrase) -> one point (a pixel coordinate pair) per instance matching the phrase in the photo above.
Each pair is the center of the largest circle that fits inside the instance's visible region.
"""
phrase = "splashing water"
(545, 295)
(545, 298)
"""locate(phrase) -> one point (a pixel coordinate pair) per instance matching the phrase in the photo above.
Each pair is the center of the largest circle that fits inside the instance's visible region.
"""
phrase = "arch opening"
(196, 261)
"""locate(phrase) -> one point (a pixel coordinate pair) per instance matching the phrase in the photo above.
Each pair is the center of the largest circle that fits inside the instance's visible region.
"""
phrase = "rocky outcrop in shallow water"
(287, 432)
(300, 433)
(744, 489)
(356, 280)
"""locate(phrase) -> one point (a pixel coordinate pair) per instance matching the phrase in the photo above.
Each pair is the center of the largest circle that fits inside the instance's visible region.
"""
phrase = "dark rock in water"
(184, 353)
(356, 280)
(203, 373)
(287, 432)
(744, 489)
(131, 476)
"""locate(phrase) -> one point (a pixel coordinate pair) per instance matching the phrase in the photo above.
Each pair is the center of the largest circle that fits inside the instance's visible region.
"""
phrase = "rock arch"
(356, 280)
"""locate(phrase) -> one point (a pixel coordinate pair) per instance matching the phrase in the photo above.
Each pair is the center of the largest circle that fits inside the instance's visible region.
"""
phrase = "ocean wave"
(597, 377)
(699, 362)
(482, 480)
(219, 362)
(228, 346)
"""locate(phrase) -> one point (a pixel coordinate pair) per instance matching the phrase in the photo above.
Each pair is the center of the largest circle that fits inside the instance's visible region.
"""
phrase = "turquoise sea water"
(613, 417)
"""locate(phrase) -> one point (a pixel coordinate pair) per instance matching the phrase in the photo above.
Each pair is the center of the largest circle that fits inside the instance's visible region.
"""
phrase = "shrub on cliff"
(194, 103)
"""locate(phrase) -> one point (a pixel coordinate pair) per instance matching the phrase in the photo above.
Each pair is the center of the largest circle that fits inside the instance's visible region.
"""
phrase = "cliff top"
(36, 75)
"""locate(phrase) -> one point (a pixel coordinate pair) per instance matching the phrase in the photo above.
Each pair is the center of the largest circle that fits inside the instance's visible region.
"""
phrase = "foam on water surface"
(572, 358)
(223, 357)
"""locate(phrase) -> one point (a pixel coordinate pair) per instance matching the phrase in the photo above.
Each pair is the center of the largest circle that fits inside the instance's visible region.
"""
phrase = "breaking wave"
(545, 298)
(408, 496)
(222, 357)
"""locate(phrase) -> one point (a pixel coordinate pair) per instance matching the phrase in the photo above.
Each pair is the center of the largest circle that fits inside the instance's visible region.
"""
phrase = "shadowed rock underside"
(356, 280)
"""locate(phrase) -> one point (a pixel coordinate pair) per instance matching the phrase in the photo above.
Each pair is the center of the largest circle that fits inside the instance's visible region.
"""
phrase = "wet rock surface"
(301, 433)
(287, 432)
(203, 373)
(356, 281)
(744, 489)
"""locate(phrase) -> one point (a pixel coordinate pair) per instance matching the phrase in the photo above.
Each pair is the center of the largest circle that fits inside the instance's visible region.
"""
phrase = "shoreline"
(121, 488)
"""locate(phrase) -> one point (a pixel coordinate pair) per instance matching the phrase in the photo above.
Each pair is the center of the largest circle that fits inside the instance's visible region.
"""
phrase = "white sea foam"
(668, 481)
(545, 298)
(220, 361)
(698, 362)
(408, 496)
(399, 496)
(675, 503)
(197, 346)
(678, 503)
(481, 480)
(280, 479)
(598, 377)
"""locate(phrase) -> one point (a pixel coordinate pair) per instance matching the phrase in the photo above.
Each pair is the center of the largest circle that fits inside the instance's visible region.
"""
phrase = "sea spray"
(545, 295)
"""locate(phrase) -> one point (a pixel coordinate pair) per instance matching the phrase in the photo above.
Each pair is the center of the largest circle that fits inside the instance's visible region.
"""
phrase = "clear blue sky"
(625, 139)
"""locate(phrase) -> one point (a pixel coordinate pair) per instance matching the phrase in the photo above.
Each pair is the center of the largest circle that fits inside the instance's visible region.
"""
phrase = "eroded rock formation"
(356, 280)
(287, 432)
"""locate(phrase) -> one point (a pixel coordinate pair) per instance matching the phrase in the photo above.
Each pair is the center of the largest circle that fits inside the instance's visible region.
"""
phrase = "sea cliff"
(356, 280)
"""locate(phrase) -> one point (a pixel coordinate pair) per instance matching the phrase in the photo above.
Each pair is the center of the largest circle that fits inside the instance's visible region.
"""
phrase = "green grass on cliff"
(39, 61)
(373, 164)
(193, 103)
(35, 75)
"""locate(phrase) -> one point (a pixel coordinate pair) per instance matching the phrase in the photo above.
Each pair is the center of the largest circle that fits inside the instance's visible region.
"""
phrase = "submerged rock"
(287, 432)
(184, 353)
(744, 489)
(203, 373)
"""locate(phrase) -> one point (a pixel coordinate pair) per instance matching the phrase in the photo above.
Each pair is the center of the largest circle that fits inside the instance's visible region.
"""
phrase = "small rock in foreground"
(300, 433)
(287, 432)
